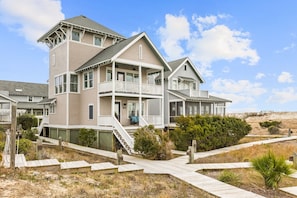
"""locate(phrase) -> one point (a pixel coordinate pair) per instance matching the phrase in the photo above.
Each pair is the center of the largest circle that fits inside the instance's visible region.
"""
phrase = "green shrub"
(271, 168)
(270, 123)
(27, 121)
(152, 144)
(30, 134)
(273, 130)
(87, 137)
(2, 145)
(24, 145)
(210, 132)
(229, 177)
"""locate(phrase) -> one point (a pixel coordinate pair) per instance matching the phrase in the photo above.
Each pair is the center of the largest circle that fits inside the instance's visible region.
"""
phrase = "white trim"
(147, 65)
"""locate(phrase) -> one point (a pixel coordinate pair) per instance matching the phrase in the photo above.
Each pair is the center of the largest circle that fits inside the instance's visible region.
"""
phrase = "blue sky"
(245, 50)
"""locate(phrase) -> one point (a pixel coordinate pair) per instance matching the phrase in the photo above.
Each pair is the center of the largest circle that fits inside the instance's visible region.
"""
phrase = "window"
(91, 112)
(75, 36)
(185, 67)
(98, 41)
(174, 84)
(133, 109)
(88, 79)
(30, 99)
(129, 77)
(60, 84)
(109, 75)
(73, 83)
(52, 108)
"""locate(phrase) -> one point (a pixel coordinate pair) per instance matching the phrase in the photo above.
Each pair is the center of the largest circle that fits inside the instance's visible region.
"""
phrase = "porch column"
(113, 89)
(200, 108)
(162, 98)
(184, 108)
(140, 91)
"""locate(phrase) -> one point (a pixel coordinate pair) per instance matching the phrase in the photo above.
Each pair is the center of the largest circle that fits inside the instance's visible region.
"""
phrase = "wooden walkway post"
(12, 135)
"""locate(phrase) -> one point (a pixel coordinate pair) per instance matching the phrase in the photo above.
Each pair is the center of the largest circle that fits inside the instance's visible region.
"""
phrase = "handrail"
(142, 121)
(123, 136)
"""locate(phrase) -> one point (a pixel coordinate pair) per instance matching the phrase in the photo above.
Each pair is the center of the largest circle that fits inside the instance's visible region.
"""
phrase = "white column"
(162, 98)
(113, 88)
(140, 91)
(200, 108)
(184, 108)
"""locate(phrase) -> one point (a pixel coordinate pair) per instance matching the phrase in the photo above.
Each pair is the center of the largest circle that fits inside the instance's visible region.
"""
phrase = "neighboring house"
(183, 95)
(5, 109)
(100, 80)
(27, 96)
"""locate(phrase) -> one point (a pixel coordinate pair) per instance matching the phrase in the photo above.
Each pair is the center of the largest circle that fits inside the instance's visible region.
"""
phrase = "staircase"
(123, 136)
(43, 122)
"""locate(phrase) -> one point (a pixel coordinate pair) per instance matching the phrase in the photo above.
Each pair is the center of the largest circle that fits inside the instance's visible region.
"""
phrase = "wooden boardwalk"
(180, 168)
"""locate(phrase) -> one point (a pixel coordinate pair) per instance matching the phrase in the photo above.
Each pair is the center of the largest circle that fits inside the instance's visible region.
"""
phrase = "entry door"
(117, 110)
(121, 76)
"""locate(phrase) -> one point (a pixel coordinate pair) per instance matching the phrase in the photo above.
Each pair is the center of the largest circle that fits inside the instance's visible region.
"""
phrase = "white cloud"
(282, 96)
(286, 48)
(285, 77)
(177, 29)
(206, 41)
(260, 75)
(30, 18)
(241, 91)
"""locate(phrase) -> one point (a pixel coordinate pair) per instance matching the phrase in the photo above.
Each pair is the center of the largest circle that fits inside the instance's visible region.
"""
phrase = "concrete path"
(179, 168)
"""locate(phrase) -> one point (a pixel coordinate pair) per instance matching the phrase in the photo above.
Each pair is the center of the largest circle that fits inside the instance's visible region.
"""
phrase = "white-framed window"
(52, 108)
(98, 41)
(133, 108)
(75, 35)
(60, 84)
(88, 79)
(108, 75)
(73, 83)
(91, 112)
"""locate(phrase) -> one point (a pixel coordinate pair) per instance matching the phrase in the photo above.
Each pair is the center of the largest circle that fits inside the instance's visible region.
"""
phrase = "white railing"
(153, 119)
(142, 121)
(194, 93)
(123, 136)
(105, 120)
(130, 87)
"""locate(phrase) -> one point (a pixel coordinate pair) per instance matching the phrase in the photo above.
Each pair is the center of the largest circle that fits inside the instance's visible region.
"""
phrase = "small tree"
(152, 144)
(87, 137)
(27, 121)
(271, 168)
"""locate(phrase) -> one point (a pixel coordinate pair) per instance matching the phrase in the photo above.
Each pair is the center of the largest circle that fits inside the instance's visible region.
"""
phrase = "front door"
(117, 110)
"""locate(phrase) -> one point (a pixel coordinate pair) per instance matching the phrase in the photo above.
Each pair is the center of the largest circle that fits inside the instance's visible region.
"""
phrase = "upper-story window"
(88, 79)
(73, 83)
(140, 52)
(75, 36)
(30, 99)
(108, 75)
(91, 112)
(185, 67)
(98, 41)
(60, 84)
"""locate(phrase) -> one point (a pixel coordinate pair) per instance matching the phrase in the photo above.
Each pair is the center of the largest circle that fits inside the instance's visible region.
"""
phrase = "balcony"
(195, 93)
(130, 87)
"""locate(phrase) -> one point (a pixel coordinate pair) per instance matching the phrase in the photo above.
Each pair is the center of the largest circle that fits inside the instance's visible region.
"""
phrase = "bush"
(210, 132)
(152, 144)
(27, 121)
(229, 177)
(30, 134)
(270, 123)
(273, 130)
(2, 145)
(87, 137)
(271, 168)
(24, 145)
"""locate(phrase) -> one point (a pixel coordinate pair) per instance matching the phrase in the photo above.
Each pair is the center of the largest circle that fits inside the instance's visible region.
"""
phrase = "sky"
(245, 50)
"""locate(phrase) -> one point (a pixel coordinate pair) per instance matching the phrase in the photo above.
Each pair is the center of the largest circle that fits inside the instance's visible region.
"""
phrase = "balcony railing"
(195, 93)
(130, 87)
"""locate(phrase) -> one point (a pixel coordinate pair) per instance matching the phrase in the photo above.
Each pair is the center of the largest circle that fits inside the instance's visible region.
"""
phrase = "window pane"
(129, 77)
(98, 41)
(91, 112)
(73, 83)
(109, 75)
(75, 36)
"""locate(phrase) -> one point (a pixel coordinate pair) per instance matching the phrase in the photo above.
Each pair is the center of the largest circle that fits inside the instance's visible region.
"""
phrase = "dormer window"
(75, 35)
(98, 41)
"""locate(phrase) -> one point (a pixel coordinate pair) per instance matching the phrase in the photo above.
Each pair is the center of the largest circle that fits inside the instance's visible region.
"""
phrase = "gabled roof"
(110, 53)
(198, 99)
(176, 64)
(84, 23)
(23, 88)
